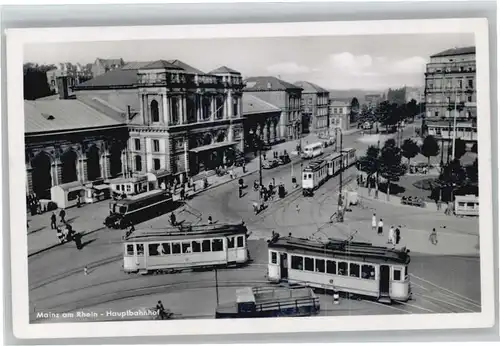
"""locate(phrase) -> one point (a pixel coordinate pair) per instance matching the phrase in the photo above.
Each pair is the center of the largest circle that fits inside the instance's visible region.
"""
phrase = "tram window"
(140, 249)
(205, 246)
(274, 257)
(331, 267)
(176, 248)
(130, 249)
(196, 246)
(240, 241)
(153, 249)
(230, 242)
(397, 275)
(165, 249)
(354, 270)
(309, 264)
(367, 272)
(405, 271)
(320, 265)
(343, 268)
(297, 262)
(186, 247)
(217, 245)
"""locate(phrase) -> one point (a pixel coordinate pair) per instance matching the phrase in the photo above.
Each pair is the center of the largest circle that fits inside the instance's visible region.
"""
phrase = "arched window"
(138, 163)
(155, 114)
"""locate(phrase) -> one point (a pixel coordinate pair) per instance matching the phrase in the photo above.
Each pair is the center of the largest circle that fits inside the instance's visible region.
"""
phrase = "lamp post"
(257, 144)
(340, 214)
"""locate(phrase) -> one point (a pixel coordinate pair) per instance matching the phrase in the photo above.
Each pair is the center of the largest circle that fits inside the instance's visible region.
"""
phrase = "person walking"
(374, 222)
(53, 221)
(392, 236)
(433, 237)
(380, 227)
(297, 207)
(210, 221)
(62, 215)
(397, 232)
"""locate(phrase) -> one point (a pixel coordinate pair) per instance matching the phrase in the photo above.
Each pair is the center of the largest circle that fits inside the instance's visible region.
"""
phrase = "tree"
(452, 177)
(429, 148)
(390, 163)
(460, 149)
(354, 110)
(369, 163)
(474, 148)
(397, 96)
(35, 81)
(409, 149)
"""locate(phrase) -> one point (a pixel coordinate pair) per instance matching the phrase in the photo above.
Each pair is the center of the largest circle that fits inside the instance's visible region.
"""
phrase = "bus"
(138, 208)
(312, 150)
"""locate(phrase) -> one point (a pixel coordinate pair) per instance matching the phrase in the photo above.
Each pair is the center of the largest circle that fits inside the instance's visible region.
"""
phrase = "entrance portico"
(211, 156)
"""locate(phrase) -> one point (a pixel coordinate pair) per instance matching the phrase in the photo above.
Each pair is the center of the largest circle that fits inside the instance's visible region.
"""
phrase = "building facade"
(283, 95)
(67, 141)
(101, 66)
(314, 107)
(450, 91)
(339, 115)
(373, 100)
(259, 119)
(416, 94)
(180, 119)
(74, 74)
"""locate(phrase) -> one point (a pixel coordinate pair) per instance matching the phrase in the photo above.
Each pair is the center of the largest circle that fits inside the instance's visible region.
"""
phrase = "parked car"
(284, 159)
(268, 164)
(367, 125)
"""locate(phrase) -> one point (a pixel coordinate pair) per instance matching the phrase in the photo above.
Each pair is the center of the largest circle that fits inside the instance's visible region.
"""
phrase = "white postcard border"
(17, 38)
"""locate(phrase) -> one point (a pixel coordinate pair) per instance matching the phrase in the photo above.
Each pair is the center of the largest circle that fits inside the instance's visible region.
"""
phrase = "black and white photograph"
(305, 174)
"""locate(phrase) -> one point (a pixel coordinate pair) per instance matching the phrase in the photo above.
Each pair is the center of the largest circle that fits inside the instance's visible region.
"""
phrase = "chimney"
(62, 87)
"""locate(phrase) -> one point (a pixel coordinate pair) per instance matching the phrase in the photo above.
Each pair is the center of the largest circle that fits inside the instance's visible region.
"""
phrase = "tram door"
(384, 280)
(283, 266)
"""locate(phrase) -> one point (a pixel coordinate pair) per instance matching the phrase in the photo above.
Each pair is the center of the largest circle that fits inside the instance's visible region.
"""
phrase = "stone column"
(230, 133)
(230, 104)
(171, 155)
(180, 110)
(213, 107)
(166, 109)
(124, 163)
(186, 156)
(83, 174)
(198, 108)
(142, 110)
(240, 106)
(184, 110)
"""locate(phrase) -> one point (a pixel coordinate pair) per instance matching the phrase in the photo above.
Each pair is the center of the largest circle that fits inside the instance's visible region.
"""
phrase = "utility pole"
(340, 214)
(454, 127)
(216, 286)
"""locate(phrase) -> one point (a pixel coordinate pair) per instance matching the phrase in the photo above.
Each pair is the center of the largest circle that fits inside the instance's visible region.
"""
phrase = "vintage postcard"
(259, 177)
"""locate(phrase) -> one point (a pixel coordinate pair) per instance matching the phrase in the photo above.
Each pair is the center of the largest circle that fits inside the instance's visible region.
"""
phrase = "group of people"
(33, 204)
(394, 236)
(64, 231)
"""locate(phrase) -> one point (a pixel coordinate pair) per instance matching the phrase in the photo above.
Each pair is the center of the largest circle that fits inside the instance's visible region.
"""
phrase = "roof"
(456, 51)
(336, 103)
(308, 87)
(135, 65)
(254, 105)
(111, 62)
(267, 83)
(161, 64)
(61, 115)
(114, 78)
(186, 67)
(224, 69)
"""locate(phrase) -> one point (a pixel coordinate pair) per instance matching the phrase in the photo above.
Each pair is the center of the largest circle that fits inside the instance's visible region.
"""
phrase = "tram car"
(185, 247)
(345, 266)
(318, 171)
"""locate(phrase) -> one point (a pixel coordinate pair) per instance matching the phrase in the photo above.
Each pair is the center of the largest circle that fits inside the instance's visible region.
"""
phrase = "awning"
(212, 146)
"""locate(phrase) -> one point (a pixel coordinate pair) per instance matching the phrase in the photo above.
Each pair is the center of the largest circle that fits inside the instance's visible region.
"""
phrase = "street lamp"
(340, 214)
(257, 144)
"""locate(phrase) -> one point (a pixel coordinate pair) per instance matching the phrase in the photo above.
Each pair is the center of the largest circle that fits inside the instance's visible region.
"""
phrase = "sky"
(374, 62)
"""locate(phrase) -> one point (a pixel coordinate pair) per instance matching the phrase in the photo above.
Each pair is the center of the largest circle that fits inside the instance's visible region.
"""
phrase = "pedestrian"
(78, 201)
(240, 191)
(392, 236)
(398, 234)
(374, 222)
(53, 221)
(433, 237)
(380, 227)
(183, 193)
(62, 215)
(297, 207)
(173, 219)
(210, 221)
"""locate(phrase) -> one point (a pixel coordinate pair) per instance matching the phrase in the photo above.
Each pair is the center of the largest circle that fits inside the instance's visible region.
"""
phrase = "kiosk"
(66, 195)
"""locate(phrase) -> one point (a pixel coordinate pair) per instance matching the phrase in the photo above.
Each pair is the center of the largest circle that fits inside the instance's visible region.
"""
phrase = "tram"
(345, 266)
(312, 150)
(185, 247)
(137, 208)
(318, 171)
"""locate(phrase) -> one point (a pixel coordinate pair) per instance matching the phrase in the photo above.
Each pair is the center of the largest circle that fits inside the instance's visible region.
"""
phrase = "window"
(297, 262)
(138, 163)
(331, 267)
(469, 98)
(186, 247)
(130, 249)
(471, 83)
(140, 249)
(240, 241)
(155, 113)
(460, 84)
(165, 249)
(367, 272)
(354, 270)
(176, 248)
(153, 249)
(230, 242)
(320, 265)
(235, 107)
(205, 246)
(129, 188)
(156, 164)
(309, 264)
(436, 113)
(343, 268)
(274, 257)
(137, 144)
(196, 246)
(217, 245)
(397, 275)
(156, 145)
